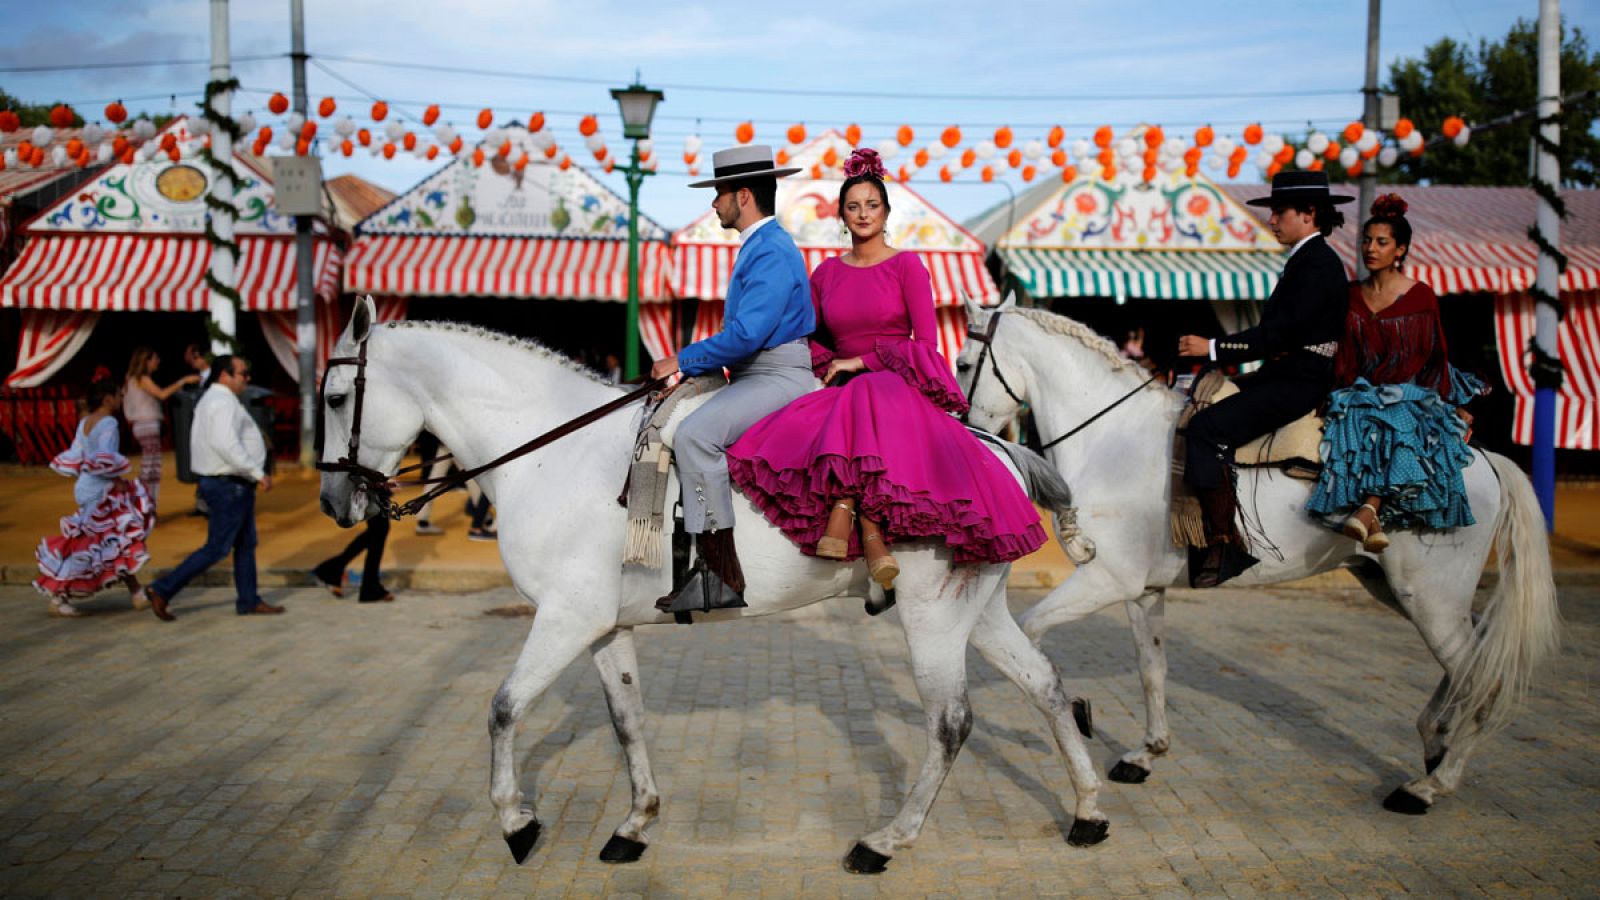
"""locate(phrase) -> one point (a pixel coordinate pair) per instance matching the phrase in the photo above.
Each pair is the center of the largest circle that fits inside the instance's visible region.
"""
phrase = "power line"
(136, 64)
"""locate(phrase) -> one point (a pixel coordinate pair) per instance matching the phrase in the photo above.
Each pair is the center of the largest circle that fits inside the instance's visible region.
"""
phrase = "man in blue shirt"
(766, 319)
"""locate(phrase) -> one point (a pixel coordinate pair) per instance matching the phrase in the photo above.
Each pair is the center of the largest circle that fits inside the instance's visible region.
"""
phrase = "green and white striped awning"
(1144, 274)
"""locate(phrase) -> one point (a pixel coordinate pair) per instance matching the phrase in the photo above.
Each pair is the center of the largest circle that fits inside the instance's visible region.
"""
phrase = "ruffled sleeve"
(917, 359)
(94, 453)
(821, 340)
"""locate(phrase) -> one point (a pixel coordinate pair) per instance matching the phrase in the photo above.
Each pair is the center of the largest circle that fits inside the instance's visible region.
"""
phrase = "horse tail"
(1521, 623)
(1049, 489)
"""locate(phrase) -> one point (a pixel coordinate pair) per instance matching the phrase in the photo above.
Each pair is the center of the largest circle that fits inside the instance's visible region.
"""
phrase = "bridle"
(380, 485)
(986, 338)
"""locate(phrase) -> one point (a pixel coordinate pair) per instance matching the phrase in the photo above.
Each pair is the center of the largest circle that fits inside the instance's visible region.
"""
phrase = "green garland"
(1545, 368)
(224, 171)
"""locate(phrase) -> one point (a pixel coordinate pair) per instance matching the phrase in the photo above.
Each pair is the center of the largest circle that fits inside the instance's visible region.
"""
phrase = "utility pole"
(1368, 182)
(223, 312)
(304, 260)
(1546, 369)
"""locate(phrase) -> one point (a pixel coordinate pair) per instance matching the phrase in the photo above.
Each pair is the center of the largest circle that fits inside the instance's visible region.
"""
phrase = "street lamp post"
(638, 106)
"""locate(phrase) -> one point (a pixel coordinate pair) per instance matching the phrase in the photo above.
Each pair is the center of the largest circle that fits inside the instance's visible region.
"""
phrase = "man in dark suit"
(1298, 336)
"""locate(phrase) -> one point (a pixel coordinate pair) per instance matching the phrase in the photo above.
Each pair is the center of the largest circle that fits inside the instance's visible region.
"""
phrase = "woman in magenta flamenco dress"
(878, 441)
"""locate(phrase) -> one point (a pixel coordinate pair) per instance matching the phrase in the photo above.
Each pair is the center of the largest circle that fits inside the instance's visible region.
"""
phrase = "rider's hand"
(665, 368)
(1467, 418)
(266, 482)
(843, 367)
(1194, 345)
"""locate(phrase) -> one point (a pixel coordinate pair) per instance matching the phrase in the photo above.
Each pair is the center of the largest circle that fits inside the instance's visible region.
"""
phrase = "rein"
(376, 482)
(986, 338)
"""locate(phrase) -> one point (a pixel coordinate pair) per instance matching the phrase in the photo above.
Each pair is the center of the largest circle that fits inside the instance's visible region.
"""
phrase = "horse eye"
(963, 366)
(335, 401)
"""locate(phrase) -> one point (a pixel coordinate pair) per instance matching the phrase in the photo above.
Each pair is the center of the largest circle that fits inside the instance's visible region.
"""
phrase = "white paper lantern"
(1080, 148)
(294, 122)
(419, 151)
(1172, 164)
(11, 158)
(1222, 147)
(594, 142)
(144, 129)
(103, 154)
(1272, 143)
(92, 133)
(1215, 163)
(1177, 145)
(1033, 149)
(246, 122)
(199, 126)
(394, 131)
(692, 144)
(58, 156)
(444, 134)
(1317, 143)
(1127, 147)
(986, 149)
(1263, 159)
(937, 150)
(187, 149)
(1462, 136)
(888, 148)
(286, 139)
(1369, 139)
(1411, 141)
(1387, 157)
(646, 147)
(1304, 158)
(345, 127)
(1348, 156)
(42, 136)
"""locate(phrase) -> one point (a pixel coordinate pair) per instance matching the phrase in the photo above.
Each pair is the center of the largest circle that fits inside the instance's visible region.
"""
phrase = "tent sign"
(298, 182)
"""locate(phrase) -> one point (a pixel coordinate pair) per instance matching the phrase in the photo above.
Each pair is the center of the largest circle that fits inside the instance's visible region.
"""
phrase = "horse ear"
(361, 319)
(1009, 301)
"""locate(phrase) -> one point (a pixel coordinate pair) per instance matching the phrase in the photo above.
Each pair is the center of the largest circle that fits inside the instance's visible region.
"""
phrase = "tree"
(33, 114)
(1501, 77)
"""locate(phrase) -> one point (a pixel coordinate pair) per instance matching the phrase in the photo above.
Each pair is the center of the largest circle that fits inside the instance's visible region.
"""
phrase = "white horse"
(1119, 467)
(562, 534)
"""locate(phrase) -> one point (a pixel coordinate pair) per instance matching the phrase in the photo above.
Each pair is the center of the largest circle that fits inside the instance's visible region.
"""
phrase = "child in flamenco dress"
(104, 541)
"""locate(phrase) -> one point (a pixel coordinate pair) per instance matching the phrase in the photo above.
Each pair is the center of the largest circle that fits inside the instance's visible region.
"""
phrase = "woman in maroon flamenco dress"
(878, 442)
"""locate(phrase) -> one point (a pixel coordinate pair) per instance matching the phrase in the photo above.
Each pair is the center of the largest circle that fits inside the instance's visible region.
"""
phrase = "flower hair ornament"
(1389, 206)
(865, 161)
(101, 373)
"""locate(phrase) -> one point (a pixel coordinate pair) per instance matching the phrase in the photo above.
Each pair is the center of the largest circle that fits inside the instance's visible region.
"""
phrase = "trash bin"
(255, 402)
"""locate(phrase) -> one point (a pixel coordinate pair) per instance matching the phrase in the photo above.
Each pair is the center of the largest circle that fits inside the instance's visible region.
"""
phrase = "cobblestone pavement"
(341, 750)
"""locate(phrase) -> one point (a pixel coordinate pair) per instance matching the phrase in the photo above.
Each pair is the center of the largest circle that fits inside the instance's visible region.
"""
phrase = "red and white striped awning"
(135, 273)
(702, 270)
(513, 267)
(1578, 339)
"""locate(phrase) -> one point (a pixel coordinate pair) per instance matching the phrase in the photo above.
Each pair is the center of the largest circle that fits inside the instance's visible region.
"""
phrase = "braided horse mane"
(1083, 334)
(520, 343)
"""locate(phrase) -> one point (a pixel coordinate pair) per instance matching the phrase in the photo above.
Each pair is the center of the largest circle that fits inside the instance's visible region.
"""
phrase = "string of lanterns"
(1146, 152)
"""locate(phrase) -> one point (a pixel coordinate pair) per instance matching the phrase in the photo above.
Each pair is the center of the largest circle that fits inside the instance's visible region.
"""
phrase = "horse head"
(990, 377)
(367, 422)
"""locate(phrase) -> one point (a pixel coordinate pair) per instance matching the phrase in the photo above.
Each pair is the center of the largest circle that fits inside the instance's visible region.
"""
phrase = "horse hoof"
(622, 850)
(863, 860)
(1432, 762)
(1083, 714)
(1087, 832)
(1404, 802)
(1126, 772)
(522, 840)
(879, 608)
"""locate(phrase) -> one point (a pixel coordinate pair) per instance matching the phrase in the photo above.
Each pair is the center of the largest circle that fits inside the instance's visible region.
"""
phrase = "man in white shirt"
(227, 452)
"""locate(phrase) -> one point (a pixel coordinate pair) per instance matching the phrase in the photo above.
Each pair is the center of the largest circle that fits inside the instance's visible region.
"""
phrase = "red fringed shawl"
(1403, 343)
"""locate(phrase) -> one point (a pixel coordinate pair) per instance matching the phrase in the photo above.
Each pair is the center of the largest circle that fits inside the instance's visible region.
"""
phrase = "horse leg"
(554, 641)
(1086, 590)
(937, 624)
(619, 674)
(1148, 620)
(1004, 645)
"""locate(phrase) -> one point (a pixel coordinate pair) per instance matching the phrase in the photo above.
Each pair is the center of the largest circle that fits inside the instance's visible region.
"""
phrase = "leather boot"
(879, 562)
(1224, 556)
(717, 581)
(835, 544)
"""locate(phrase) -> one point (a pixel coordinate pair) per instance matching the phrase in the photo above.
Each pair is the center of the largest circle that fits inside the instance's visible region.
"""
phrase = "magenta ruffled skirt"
(914, 469)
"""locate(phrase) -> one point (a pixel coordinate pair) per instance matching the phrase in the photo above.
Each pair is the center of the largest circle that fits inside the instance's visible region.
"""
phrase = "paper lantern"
(985, 150)
(1316, 165)
(1033, 149)
(1348, 157)
(1106, 157)
(830, 157)
(816, 171)
(921, 157)
(1233, 169)
(1239, 155)
(745, 132)
(409, 141)
(380, 111)
(10, 121)
(1149, 174)
(1303, 159)
(1069, 174)
(1403, 128)
(905, 135)
(1317, 142)
(904, 175)
(797, 134)
(1153, 136)
(600, 154)
(144, 129)
(433, 151)
(477, 156)
(116, 113)
(1387, 157)
(1273, 143)
(308, 131)
(1204, 136)
(301, 148)
(1367, 141)
(485, 117)
(278, 103)
(168, 140)
(1014, 159)
(550, 151)
(444, 134)
(456, 145)
(1102, 136)
(1056, 136)
(346, 147)
(888, 149)
(1002, 137)
(1368, 152)
(1081, 149)
(1353, 132)
(1463, 135)
(852, 134)
(968, 157)
(1151, 156)
(692, 145)
(119, 145)
(74, 148)
(1331, 151)
(1252, 134)
(431, 114)
(1284, 155)
(781, 157)
(1452, 126)
(363, 137)
(62, 116)
(987, 173)
(345, 127)
(1028, 172)
(326, 107)
(42, 136)
(1108, 173)
(1191, 156)
(610, 165)
(944, 174)
(1355, 170)
(1418, 149)
(1273, 169)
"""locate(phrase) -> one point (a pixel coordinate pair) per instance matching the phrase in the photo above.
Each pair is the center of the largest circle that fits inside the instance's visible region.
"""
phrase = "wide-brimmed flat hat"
(739, 163)
(1290, 188)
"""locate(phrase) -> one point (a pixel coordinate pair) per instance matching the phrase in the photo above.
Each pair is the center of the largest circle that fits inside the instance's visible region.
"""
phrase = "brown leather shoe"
(158, 605)
(263, 609)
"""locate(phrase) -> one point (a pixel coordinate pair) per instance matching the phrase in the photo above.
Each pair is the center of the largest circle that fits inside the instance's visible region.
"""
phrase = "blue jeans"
(230, 528)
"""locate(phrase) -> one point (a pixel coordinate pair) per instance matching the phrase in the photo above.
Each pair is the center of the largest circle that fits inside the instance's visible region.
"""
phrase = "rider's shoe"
(880, 563)
(1224, 555)
(835, 544)
(717, 581)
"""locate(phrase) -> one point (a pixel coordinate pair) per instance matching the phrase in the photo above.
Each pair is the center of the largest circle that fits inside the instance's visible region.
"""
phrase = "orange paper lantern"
(172, 154)
(1058, 158)
(347, 148)
(485, 117)
(600, 154)
(1316, 165)
(1191, 169)
(302, 147)
(797, 134)
(1233, 169)
(536, 122)
(968, 157)
(1452, 127)
(116, 113)
(74, 148)
(852, 134)
(10, 121)
(830, 157)
(477, 156)
(119, 144)
(816, 171)
(1370, 152)
(1274, 169)
(1333, 150)
(1203, 136)
(431, 114)
(1002, 137)
(1355, 170)
(950, 137)
(1106, 158)
(550, 151)
(1102, 136)
(308, 130)
(1403, 128)
(456, 145)
(1252, 134)
(1191, 156)
(1353, 132)
(409, 141)
(905, 135)
(1283, 156)
(363, 137)
(903, 175)
(566, 162)
(326, 107)
(944, 173)
(1149, 173)
(1417, 151)
(388, 150)
(781, 157)
(278, 103)
(1153, 136)
(521, 163)
(1057, 135)
(1069, 174)
(1108, 173)
(380, 111)
(61, 115)
(505, 150)
(745, 132)
(1028, 172)
(921, 157)
(987, 173)
(1014, 158)
(128, 157)
(433, 151)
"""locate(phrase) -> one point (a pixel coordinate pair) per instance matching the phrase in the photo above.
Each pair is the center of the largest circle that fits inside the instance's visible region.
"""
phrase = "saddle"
(1295, 449)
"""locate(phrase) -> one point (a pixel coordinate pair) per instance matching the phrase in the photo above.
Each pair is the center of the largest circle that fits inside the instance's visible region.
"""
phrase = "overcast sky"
(1173, 62)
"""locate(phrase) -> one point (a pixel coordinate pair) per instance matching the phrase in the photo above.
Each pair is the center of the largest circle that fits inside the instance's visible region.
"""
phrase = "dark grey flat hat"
(739, 163)
(1300, 187)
